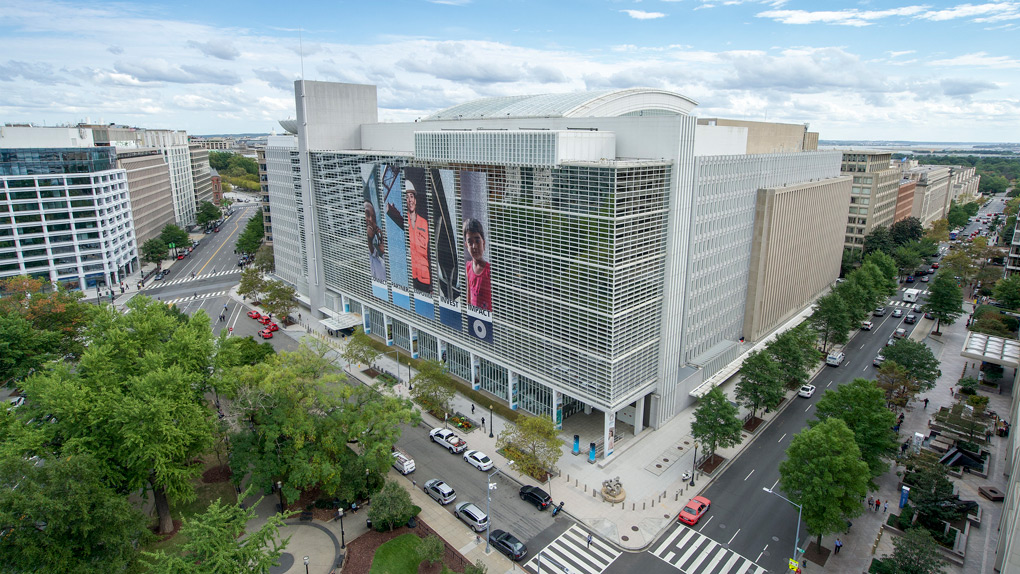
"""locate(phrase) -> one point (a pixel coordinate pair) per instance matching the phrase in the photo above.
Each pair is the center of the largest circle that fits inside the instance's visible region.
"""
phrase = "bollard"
(577, 444)
(643, 506)
(586, 487)
(575, 483)
(677, 497)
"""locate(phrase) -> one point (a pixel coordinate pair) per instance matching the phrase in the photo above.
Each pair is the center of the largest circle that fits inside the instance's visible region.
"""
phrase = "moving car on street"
(508, 544)
(806, 391)
(695, 509)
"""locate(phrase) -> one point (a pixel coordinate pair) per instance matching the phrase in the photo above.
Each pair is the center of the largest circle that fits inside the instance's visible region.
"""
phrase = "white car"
(478, 459)
(866, 325)
(806, 391)
(897, 313)
(835, 360)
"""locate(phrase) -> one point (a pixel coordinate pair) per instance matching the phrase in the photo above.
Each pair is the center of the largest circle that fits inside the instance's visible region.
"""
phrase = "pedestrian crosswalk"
(571, 554)
(694, 553)
(188, 278)
(196, 297)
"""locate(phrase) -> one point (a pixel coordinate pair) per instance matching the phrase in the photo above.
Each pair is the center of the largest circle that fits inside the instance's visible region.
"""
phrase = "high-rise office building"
(873, 194)
(201, 174)
(585, 254)
(65, 212)
(174, 147)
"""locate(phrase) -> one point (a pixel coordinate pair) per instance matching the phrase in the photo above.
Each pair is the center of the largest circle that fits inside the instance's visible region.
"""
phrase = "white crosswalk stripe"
(195, 298)
(694, 553)
(570, 553)
(188, 278)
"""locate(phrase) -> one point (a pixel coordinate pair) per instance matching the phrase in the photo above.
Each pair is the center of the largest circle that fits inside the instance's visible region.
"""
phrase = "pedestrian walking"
(871, 502)
(589, 540)
(885, 507)
(483, 422)
(414, 483)
(951, 393)
(472, 408)
(877, 504)
(838, 545)
(926, 402)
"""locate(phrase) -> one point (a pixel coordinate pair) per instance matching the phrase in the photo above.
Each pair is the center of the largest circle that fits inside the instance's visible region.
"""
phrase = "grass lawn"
(398, 556)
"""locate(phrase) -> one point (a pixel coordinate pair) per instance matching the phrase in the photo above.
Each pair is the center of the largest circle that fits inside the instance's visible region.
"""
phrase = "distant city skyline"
(877, 70)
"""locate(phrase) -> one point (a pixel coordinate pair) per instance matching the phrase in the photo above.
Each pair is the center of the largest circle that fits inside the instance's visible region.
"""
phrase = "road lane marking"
(760, 554)
(702, 526)
(808, 408)
(749, 474)
(732, 537)
(781, 438)
(774, 484)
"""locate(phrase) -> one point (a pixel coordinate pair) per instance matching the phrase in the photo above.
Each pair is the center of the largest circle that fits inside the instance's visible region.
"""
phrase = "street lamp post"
(306, 565)
(279, 489)
(343, 543)
(800, 509)
(490, 421)
(489, 487)
(694, 465)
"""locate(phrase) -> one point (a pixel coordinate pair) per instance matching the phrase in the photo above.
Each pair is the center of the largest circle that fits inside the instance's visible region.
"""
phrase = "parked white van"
(403, 463)
(835, 359)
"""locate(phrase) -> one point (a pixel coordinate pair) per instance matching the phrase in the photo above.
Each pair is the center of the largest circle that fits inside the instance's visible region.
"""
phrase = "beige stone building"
(873, 194)
(905, 200)
(149, 191)
(770, 137)
(201, 174)
(932, 195)
(786, 244)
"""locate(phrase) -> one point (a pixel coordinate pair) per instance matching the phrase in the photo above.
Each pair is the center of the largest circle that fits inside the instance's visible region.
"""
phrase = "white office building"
(174, 147)
(65, 213)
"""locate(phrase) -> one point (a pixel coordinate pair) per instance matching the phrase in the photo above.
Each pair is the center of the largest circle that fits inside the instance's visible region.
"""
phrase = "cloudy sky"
(878, 69)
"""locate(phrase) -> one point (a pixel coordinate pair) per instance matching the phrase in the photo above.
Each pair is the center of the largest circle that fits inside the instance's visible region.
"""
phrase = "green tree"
(831, 320)
(887, 267)
(433, 388)
(431, 549)
(896, 384)
(173, 235)
(918, 360)
(957, 216)
(932, 492)
(939, 231)
(958, 264)
(859, 302)
(56, 311)
(794, 351)
(861, 405)
(216, 541)
(945, 301)
(252, 236)
(916, 552)
(989, 324)
(207, 212)
(715, 422)
(823, 472)
(851, 259)
(537, 441)
(359, 349)
(59, 515)
(993, 184)
(23, 348)
(478, 567)
(391, 506)
(264, 259)
(279, 298)
(761, 381)
(1009, 228)
(877, 240)
(132, 401)
(907, 259)
(154, 250)
(302, 416)
(252, 283)
(1007, 292)
(906, 230)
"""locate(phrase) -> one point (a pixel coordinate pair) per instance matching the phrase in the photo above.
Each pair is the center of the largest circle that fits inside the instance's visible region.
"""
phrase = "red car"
(934, 265)
(694, 510)
(264, 320)
(254, 314)
(272, 326)
(266, 334)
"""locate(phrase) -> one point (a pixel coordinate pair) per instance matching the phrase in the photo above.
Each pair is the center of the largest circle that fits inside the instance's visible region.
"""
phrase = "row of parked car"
(267, 321)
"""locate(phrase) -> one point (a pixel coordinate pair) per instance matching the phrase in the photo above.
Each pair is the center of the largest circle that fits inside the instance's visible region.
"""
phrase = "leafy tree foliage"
(879, 239)
(301, 416)
(60, 516)
(431, 549)
(132, 401)
(916, 552)
(1009, 228)
(279, 298)
(857, 296)
(824, 473)
(907, 258)
(992, 324)
(794, 351)
(917, 359)
(23, 348)
(391, 506)
(906, 230)
(715, 422)
(55, 311)
(1007, 292)
(252, 283)
(932, 492)
(958, 264)
(216, 541)
(896, 383)
(761, 381)
(253, 234)
(945, 301)
(536, 439)
(861, 405)
(939, 231)
(154, 250)
(359, 349)
(433, 388)
(265, 261)
(887, 267)
(832, 320)
(173, 235)
(993, 184)
(851, 258)
(207, 212)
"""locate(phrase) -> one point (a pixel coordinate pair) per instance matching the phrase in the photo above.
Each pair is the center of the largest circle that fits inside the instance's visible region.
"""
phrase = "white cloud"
(850, 17)
(222, 49)
(642, 15)
(979, 60)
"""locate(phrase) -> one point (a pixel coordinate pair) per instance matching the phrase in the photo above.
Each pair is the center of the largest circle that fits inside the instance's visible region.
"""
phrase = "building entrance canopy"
(991, 349)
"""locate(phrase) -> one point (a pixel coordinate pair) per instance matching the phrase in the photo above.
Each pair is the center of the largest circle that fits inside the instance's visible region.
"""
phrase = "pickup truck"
(448, 440)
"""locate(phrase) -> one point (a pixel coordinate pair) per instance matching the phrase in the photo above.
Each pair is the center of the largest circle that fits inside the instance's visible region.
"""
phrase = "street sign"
(793, 564)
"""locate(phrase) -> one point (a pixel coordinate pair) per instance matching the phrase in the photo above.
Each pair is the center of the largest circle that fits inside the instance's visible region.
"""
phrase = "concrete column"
(389, 330)
(587, 409)
(609, 434)
(476, 377)
(639, 415)
(557, 409)
(512, 388)
(365, 323)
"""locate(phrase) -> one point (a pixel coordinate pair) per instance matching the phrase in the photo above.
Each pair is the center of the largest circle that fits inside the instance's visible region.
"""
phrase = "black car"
(508, 544)
(910, 319)
(929, 316)
(536, 496)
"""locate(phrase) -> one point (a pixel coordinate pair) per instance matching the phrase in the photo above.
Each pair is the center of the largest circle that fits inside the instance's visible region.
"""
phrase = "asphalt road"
(508, 512)
(761, 526)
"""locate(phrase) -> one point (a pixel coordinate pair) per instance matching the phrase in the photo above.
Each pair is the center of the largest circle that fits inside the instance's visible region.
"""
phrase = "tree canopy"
(861, 405)
(207, 212)
(715, 422)
(945, 300)
(536, 439)
(761, 381)
(1007, 292)
(253, 235)
(906, 230)
(832, 320)
(916, 552)
(175, 236)
(918, 359)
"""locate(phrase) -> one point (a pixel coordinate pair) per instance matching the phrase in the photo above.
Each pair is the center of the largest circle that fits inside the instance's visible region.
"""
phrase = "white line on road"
(702, 527)
(808, 408)
(865, 368)
(734, 536)
(749, 474)
(774, 484)
(862, 345)
(827, 384)
(781, 438)
(762, 553)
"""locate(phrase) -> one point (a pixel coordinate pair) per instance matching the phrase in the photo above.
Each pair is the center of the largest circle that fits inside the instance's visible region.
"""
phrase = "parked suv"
(536, 496)
(440, 491)
(472, 516)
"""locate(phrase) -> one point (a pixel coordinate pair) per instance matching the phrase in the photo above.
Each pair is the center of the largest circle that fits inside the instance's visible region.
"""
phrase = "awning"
(991, 349)
(341, 322)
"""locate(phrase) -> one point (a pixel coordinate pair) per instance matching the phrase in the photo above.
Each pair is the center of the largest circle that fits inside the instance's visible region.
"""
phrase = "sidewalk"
(652, 469)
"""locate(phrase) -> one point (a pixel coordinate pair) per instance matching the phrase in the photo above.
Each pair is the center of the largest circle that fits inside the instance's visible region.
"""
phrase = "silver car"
(440, 491)
(472, 516)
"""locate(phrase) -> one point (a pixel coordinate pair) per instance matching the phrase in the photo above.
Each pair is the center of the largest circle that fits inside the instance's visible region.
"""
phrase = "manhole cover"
(679, 448)
(658, 466)
(687, 442)
(634, 528)
(774, 539)
(624, 538)
(665, 460)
